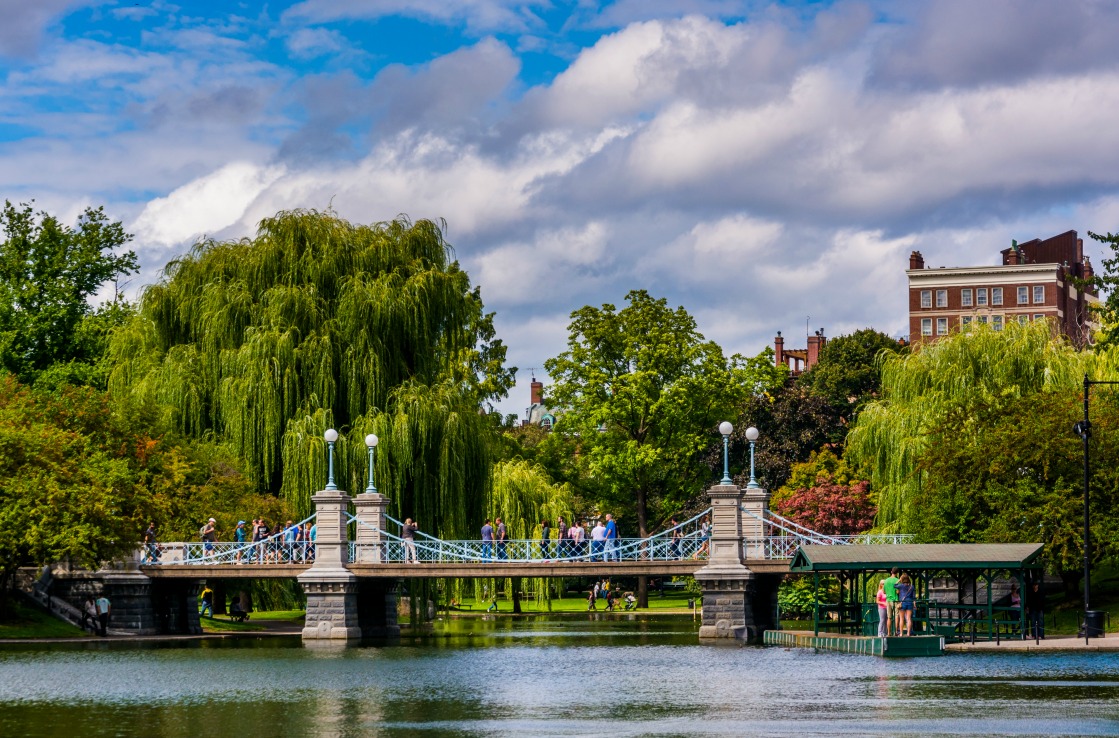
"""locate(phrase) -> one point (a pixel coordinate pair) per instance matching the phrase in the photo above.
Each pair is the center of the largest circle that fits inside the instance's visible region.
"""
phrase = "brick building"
(1032, 283)
(799, 360)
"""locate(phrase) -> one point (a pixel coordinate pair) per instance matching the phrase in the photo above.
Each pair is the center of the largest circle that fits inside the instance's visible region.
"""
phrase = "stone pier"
(737, 603)
(341, 608)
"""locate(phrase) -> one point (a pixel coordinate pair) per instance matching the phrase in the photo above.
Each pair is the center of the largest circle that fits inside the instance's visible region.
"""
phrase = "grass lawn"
(22, 621)
(222, 623)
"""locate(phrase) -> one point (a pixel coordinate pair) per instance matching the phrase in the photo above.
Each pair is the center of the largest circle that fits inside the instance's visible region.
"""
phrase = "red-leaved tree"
(830, 508)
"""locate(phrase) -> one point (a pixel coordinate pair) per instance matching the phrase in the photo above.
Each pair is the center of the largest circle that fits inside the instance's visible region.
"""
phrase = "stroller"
(236, 612)
(631, 601)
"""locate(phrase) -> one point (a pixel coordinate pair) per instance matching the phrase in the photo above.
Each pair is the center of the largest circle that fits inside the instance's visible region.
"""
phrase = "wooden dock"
(895, 647)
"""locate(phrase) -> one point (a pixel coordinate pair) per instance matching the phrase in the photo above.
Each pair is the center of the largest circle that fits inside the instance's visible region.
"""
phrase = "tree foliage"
(830, 507)
(642, 392)
(793, 423)
(978, 368)
(81, 479)
(1107, 281)
(319, 323)
(48, 273)
(847, 373)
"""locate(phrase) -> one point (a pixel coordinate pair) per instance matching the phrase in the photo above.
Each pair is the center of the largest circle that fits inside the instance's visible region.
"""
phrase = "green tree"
(321, 323)
(979, 368)
(847, 372)
(80, 479)
(48, 273)
(1108, 281)
(642, 392)
(793, 422)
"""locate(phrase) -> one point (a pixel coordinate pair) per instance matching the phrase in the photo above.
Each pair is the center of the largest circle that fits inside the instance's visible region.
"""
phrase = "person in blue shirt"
(487, 540)
(239, 536)
(611, 539)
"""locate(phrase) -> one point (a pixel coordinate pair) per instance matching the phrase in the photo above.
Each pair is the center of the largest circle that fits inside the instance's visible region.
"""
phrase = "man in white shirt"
(598, 539)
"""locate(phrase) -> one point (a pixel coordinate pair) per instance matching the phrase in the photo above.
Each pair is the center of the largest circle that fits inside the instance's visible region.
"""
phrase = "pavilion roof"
(911, 556)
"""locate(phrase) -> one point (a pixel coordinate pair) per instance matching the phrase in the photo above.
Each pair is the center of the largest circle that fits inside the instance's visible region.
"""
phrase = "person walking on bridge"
(208, 533)
(598, 540)
(151, 545)
(487, 541)
(545, 543)
(611, 538)
(502, 538)
(408, 533)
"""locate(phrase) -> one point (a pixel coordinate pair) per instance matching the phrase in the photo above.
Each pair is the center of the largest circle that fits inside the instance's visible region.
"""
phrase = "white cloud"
(311, 43)
(205, 206)
(477, 15)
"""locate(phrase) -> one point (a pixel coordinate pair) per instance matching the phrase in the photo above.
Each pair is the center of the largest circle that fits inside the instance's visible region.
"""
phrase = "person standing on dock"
(893, 622)
(1035, 603)
(905, 605)
(883, 610)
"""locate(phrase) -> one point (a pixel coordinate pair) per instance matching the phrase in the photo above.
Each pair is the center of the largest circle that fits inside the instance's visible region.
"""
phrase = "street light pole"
(331, 436)
(1084, 430)
(726, 429)
(751, 436)
(371, 443)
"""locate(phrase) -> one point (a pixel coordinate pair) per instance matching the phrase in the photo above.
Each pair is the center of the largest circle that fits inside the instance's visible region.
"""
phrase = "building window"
(996, 295)
(981, 296)
(965, 321)
(926, 326)
(1023, 319)
(996, 322)
(942, 298)
(965, 298)
(942, 326)
(1039, 316)
(926, 298)
(1023, 295)
(982, 319)
(1039, 294)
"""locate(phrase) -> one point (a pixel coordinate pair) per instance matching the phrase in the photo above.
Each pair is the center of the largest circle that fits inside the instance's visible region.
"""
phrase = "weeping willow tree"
(919, 390)
(319, 323)
(522, 495)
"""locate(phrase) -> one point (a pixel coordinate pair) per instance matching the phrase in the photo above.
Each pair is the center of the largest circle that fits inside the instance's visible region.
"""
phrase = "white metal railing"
(279, 548)
(690, 542)
(796, 535)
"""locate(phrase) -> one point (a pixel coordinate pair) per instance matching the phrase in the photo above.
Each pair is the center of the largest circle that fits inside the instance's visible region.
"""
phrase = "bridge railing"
(525, 551)
(784, 547)
(275, 549)
(688, 540)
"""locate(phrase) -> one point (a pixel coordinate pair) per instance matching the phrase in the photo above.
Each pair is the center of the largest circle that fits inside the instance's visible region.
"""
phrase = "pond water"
(545, 677)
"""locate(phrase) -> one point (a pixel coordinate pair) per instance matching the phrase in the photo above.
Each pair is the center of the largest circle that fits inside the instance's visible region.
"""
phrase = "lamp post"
(331, 436)
(1084, 430)
(371, 443)
(726, 429)
(751, 436)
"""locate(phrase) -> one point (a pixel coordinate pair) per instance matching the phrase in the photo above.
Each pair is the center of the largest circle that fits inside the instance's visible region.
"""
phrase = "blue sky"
(754, 162)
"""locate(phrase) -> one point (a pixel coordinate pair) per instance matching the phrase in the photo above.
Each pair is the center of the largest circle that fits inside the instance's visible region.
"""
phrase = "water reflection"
(571, 676)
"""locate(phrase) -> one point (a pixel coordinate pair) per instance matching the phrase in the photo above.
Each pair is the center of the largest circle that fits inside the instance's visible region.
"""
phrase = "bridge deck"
(465, 571)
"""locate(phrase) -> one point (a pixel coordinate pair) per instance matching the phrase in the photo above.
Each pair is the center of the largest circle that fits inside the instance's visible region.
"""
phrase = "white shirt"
(598, 533)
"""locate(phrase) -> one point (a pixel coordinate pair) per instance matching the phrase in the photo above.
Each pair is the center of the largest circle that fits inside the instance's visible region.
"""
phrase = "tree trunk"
(516, 595)
(643, 532)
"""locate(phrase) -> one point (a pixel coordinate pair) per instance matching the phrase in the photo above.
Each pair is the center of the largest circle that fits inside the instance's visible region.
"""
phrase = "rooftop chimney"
(916, 261)
(778, 349)
(537, 388)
